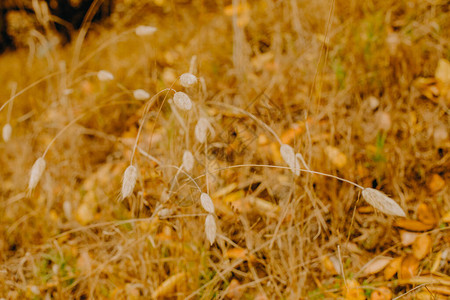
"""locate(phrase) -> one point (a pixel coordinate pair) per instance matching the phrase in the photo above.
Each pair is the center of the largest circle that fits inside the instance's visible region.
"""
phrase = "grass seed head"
(36, 173)
(202, 128)
(382, 202)
(141, 94)
(129, 181)
(188, 160)
(207, 203)
(103, 75)
(143, 30)
(6, 132)
(182, 101)
(288, 155)
(210, 228)
(188, 79)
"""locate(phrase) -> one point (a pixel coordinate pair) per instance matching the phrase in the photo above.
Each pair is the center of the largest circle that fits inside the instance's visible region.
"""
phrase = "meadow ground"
(361, 89)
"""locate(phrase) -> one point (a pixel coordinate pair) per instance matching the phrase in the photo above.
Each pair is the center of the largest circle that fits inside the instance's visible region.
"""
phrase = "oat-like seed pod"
(182, 101)
(36, 173)
(288, 155)
(207, 203)
(129, 181)
(6, 132)
(103, 75)
(202, 128)
(141, 94)
(188, 160)
(143, 30)
(188, 79)
(382, 202)
(210, 228)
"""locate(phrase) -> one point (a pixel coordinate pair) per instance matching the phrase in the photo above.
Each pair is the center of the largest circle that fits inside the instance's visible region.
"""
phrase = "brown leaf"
(381, 293)
(239, 253)
(393, 267)
(330, 264)
(408, 237)
(412, 225)
(376, 265)
(353, 291)
(422, 246)
(426, 215)
(409, 267)
(169, 285)
(436, 183)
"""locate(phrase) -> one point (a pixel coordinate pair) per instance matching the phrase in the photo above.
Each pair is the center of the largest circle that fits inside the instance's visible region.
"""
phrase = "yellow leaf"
(443, 71)
(331, 264)
(169, 285)
(446, 217)
(234, 196)
(239, 253)
(422, 246)
(381, 293)
(409, 267)
(425, 214)
(436, 183)
(393, 267)
(336, 156)
(353, 291)
(412, 225)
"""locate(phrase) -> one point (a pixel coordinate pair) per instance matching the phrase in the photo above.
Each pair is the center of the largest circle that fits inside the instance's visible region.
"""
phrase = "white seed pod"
(143, 30)
(129, 181)
(6, 132)
(188, 79)
(202, 128)
(289, 157)
(188, 161)
(103, 75)
(67, 209)
(382, 202)
(141, 94)
(182, 101)
(36, 173)
(210, 228)
(207, 203)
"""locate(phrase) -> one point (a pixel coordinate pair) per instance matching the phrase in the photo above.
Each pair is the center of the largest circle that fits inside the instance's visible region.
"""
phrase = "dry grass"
(349, 85)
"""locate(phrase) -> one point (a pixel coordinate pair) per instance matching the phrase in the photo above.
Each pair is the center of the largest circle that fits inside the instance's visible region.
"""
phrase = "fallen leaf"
(422, 246)
(408, 237)
(353, 291)
(330, 264)
(376, 265)
(239, 253)
(268, 208)
(427, 295)
(412, 225)
(436, 183)
(446, 217)
(442, 72)
(393, 267)
(381, 293)
(169, 285)
(428, 87)
(426, 215)
(232, 197)
(336, 156)
(409, 267)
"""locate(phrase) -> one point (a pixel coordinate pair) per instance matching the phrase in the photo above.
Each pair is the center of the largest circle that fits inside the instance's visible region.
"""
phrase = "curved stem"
(29, 87)
(78, 118)
(144, 118)
(287, 168)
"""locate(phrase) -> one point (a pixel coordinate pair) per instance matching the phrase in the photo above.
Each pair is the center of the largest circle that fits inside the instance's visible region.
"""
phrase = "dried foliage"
(252, 145)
